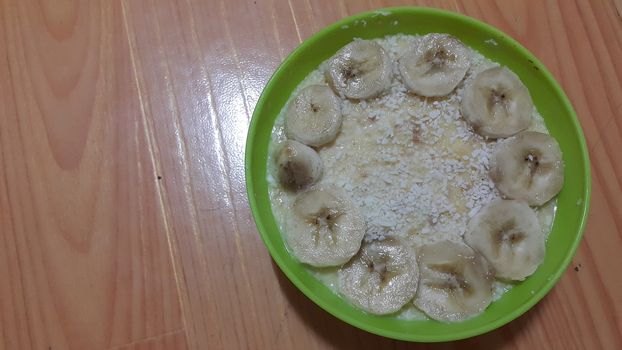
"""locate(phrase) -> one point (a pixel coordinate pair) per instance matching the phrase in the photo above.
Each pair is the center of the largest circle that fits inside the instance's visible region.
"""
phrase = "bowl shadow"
(341, 335)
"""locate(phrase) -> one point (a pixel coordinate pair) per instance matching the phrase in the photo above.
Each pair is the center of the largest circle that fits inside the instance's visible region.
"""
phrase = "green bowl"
(549, 98)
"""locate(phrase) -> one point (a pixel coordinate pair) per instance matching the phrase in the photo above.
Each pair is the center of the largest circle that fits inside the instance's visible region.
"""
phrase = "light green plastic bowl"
(549, 98)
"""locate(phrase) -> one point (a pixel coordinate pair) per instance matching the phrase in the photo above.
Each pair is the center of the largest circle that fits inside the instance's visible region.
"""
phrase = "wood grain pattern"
(124, 222)
(84, 254)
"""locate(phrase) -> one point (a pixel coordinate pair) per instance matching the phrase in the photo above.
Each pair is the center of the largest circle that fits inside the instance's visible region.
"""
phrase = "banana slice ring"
(436, 66)
(528, 166)
(298, 165)
(360, 70)
(325, 229)
(497, 104)
(508, 234)
(313, 117)
(455, 281)
(381, 278)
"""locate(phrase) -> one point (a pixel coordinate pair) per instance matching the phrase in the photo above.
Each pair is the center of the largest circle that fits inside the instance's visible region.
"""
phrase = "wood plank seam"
(155, 337)
(161, 191)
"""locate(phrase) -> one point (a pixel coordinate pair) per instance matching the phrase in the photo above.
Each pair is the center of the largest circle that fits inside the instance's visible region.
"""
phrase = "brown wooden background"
(124, 222)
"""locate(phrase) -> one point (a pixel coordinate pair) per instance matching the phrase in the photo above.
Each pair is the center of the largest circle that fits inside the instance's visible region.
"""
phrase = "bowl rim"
(586, 195)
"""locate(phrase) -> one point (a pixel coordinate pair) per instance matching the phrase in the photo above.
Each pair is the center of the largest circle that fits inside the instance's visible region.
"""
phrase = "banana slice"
(360, 70)
(436, 66)
(325, 229)
(508, 234)
(455, 282)
(314, 116)
(381, 278)
(528, 166)
(298, 165)
(497, 104)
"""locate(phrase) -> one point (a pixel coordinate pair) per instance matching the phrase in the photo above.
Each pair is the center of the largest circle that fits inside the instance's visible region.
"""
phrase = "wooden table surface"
(124, 222)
